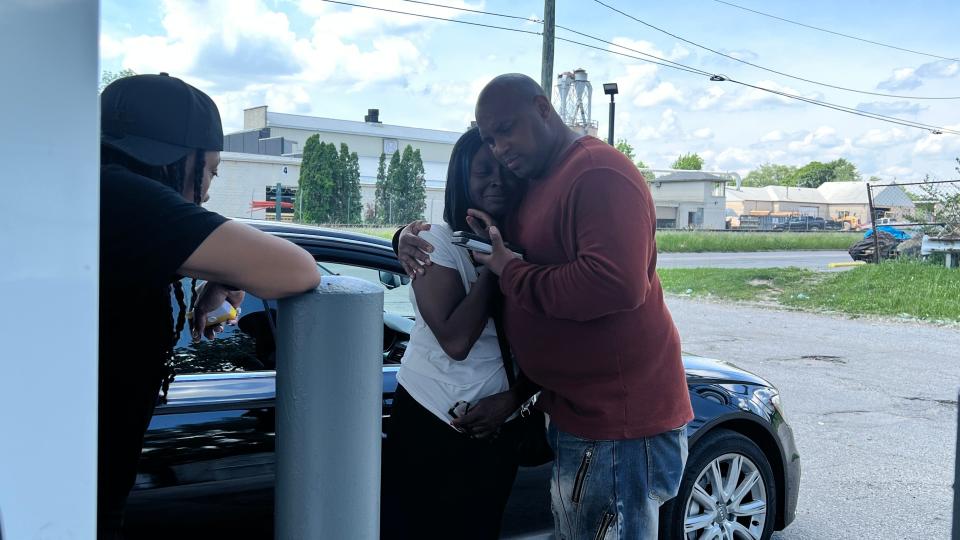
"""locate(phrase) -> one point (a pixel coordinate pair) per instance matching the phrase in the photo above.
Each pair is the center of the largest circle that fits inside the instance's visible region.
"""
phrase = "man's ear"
(542, 106)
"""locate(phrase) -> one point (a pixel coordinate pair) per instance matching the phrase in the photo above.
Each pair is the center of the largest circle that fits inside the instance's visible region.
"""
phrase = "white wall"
(48, 279)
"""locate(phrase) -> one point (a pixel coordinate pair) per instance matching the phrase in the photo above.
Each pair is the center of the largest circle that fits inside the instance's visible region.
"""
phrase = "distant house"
(689, 200)
(832, 200)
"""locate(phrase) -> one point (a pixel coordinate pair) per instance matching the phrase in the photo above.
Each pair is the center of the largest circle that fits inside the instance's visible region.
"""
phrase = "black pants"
(438, 483)
(128, 394)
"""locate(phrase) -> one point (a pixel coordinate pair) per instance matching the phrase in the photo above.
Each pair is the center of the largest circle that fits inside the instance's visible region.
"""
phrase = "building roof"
(827, 193)
(777, 194)
(690, 176)
(856, 193)
(332, 125)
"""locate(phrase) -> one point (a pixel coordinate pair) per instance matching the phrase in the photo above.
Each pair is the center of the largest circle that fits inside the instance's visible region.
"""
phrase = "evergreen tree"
(381, 194)
(309, 185)
(417, 195)
(352, 188)
(391, 206)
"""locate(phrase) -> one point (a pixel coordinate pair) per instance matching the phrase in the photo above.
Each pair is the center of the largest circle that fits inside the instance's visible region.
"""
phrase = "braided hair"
(173, 176)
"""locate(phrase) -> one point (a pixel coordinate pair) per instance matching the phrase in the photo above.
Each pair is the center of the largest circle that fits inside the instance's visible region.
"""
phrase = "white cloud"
(668, 127)
(773, 136)
(891, 107)
(631, 46)
(945, 143)
(908, 78)
(754, 99)
(709, 98)
(665, 92)
(881, 138)
(897, 171)
(703, 133)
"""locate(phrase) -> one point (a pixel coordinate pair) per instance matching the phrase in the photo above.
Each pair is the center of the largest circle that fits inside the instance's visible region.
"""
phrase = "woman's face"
(492, 188)
(211, 161)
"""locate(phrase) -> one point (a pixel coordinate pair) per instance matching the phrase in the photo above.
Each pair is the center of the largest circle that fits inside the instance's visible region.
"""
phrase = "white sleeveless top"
(432, 378)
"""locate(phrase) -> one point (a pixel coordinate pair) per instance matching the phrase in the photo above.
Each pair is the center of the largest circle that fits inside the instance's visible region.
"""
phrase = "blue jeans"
(604, 490)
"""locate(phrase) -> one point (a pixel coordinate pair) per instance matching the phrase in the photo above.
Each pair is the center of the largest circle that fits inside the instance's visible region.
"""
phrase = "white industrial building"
(255, 158)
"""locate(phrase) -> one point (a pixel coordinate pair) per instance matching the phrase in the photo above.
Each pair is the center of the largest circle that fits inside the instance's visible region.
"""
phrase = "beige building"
(832, 200)
(689, 200)
(255, 158)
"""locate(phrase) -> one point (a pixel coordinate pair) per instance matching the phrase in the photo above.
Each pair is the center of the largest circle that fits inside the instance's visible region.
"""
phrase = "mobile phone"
(459, 409)
(479, 244)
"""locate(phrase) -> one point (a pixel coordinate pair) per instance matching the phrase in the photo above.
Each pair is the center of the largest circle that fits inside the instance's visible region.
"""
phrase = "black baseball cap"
(158, 119)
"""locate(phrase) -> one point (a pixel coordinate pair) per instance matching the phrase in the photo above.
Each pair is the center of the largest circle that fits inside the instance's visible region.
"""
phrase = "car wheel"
(727, 492)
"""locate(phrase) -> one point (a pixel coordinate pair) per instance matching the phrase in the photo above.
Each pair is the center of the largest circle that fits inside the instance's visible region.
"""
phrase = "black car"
(207, 469)
(808, 223)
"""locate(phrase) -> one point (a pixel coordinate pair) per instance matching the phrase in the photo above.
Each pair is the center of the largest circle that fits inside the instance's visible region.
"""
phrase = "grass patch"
(745, 284)
(381, 232)
(895, 289)
(706, 241)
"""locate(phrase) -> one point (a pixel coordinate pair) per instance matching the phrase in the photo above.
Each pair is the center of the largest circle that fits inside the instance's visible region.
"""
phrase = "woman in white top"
(440, 482)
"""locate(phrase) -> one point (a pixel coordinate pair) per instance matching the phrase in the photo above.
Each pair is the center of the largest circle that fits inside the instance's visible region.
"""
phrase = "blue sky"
(318, 58)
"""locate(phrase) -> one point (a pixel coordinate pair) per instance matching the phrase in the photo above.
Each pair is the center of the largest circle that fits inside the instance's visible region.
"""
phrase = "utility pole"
(546, 64)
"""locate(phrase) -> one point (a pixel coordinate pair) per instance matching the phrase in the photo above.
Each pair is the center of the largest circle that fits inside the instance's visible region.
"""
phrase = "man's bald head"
(517, 121)
(514, 87)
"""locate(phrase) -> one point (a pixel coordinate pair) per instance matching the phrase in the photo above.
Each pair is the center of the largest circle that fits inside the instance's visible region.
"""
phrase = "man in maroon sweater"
(585, 315)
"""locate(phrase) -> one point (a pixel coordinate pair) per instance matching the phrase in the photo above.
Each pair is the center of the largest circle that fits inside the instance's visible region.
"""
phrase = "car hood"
(700, 369)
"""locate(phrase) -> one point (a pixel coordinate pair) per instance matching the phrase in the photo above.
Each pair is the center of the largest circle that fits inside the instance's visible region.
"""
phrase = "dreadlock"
(173, 176)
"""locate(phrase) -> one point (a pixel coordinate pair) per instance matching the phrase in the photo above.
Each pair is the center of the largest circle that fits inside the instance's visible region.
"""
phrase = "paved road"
(814, 260)
(873, 406)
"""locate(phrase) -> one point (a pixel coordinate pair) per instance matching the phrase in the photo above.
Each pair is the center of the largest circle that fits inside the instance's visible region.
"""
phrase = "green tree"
(391, 206)
(417, 196)
(844, 171)
(688, 162)
(770, 174)
(812, 175)
(354, 194)
(108, 77)
(626, 149)
(815, 173)
(309, 185)
(645, 170)
(381, 195)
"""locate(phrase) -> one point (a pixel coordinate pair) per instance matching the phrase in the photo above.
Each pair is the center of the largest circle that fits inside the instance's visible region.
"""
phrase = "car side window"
(249, 345)
(396, 288)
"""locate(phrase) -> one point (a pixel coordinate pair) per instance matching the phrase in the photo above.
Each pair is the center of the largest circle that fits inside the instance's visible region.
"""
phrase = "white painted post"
(49, 165)
(329, 406)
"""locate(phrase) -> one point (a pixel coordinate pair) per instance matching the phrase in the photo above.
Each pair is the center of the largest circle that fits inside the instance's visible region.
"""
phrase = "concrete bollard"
(329, 399)
(956, 481)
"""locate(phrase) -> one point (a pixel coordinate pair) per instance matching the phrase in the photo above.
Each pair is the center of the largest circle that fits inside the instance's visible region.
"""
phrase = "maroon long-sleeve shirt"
(584, 311)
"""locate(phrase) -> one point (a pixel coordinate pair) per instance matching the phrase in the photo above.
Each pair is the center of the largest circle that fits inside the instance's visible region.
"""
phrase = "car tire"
(726, 450)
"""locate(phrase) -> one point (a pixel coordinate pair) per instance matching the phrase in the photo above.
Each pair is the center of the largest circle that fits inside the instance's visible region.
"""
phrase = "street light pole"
(611, 90)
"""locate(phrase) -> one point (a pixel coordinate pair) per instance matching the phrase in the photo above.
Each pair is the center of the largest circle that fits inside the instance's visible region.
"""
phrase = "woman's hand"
(498, 259)
(480, 222)
(486, 417)
(210, 296)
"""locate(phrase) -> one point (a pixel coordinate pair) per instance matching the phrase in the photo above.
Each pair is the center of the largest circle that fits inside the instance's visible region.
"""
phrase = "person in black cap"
(160, 147)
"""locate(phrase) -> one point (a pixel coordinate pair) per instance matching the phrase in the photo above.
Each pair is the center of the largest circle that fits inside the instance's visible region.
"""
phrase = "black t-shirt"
(147, 232)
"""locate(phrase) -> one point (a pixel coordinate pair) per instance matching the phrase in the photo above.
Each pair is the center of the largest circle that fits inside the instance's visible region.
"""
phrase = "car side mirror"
(391, 280)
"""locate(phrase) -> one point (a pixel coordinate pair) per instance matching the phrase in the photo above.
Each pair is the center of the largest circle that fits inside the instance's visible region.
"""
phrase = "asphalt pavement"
(873, 405)
(813, 260)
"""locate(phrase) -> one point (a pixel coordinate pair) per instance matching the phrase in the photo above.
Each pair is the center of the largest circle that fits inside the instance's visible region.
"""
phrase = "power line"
(836, 33)
(734, 58)
(536, 20)
(398, 12)
(480, 12)
(675, 65)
